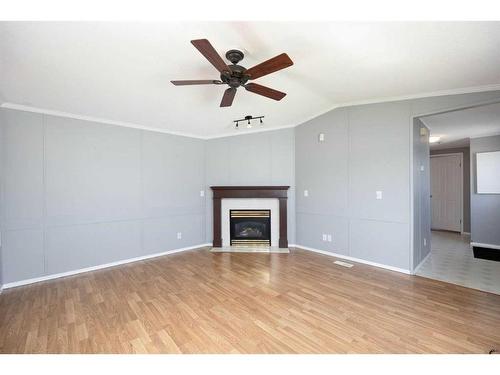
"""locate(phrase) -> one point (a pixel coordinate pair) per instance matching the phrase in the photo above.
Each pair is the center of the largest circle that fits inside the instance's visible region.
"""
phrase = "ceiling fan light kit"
(235, 75)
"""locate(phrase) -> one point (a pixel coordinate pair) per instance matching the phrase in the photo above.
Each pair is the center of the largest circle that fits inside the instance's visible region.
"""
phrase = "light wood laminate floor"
(203, 302)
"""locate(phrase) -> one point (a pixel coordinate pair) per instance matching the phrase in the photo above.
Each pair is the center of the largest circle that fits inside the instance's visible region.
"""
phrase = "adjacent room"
(249, 187)
(464, 197)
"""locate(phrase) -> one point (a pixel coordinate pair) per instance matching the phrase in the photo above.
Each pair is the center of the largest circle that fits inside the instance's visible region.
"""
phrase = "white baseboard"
(100, 266)
(422, 262)
(397, 269)
(466, 233)
(490, 246)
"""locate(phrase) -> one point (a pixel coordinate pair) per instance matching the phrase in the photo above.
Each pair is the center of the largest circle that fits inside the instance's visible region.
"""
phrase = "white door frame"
(461, 185)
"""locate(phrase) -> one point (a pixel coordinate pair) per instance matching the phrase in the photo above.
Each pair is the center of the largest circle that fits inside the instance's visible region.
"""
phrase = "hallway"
(451, 260)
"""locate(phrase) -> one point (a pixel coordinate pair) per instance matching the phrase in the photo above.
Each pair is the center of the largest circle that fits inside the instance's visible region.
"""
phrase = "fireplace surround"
(277, 192)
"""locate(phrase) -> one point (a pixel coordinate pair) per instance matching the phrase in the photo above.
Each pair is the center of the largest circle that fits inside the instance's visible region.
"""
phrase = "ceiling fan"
(235, 75)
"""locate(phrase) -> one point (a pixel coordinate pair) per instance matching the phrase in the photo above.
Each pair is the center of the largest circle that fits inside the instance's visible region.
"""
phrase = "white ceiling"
(456, 127)
(120, 72)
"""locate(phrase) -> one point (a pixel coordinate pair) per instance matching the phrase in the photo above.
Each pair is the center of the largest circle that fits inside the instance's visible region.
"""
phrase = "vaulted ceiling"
(121, 72)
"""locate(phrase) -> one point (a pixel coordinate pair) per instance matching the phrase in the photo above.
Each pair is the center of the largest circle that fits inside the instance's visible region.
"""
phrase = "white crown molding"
(101, 266)
(249, 132)
(50, 112)
(458, 91)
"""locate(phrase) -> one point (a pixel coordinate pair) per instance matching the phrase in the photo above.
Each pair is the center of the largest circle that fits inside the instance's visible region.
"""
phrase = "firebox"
(250, 227)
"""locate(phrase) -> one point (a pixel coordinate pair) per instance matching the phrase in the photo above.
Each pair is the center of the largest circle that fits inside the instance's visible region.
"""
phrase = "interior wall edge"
(415, 270)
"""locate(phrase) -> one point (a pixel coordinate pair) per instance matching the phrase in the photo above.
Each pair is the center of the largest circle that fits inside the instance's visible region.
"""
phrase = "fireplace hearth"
(250, 227)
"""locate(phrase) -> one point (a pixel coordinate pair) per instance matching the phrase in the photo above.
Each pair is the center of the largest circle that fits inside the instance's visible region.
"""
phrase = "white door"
(446, 192)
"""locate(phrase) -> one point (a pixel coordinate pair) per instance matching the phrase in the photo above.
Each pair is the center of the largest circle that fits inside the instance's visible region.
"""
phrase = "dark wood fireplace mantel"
(279, 192)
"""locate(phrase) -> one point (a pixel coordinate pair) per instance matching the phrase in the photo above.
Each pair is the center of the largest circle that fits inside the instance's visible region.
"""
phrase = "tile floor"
(452, 260)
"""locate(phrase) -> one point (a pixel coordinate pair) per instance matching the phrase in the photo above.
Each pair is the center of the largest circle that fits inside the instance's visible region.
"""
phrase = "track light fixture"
(249, 120)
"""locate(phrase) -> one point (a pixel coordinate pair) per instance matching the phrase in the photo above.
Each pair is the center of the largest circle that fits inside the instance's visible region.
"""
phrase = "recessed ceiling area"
(121, 72)
(456, 127)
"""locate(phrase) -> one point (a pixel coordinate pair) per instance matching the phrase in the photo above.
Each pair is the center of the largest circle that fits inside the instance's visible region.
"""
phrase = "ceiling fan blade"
(196, 82)
(207, 50)
(228, 97)
(265, 91)
(270, 66)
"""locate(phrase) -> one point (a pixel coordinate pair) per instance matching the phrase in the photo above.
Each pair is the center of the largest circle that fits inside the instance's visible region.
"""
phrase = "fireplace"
(250, 227)
(251, 192)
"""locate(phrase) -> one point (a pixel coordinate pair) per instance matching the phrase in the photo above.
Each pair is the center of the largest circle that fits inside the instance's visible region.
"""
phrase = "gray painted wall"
(465, 151)
(77, 194)
(1, 184)
(421, 196)
(265, 158)
(485, 208)
(367, 148)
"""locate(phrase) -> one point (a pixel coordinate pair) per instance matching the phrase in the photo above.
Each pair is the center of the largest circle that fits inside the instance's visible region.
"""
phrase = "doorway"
(447, 192)
(446, 215)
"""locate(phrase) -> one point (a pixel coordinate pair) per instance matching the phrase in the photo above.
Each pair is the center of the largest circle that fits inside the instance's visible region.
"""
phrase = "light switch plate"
(321, 137)
(306, 193)
(324, 237)
(379, 194)
(422, 168)
(179, 235)
(202, 193)
(329, 238)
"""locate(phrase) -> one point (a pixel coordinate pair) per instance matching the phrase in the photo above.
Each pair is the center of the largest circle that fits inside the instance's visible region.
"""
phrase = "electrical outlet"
(324, 237)
(202, 193)
(179, 235)
(422, 168)
(425, 241)
(321, 137)
(378, 194)
(329, 238)
(306, 193)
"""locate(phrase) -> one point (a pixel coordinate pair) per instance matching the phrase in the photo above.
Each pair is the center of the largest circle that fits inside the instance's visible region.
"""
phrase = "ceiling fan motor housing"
(236, 77)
